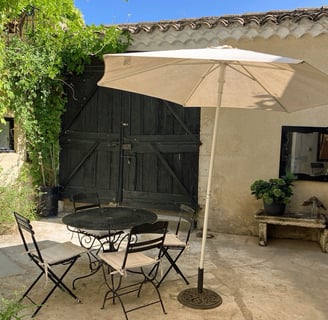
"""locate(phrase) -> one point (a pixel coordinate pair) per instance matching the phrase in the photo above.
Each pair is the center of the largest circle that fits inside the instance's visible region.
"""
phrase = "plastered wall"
(248, 146)
(248, 142)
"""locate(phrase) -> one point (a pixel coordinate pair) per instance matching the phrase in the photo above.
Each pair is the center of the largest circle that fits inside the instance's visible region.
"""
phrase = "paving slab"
(286, 280)
(8, 267)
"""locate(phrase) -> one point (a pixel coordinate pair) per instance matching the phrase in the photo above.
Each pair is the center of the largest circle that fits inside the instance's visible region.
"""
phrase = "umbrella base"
(207, 299)
(199, 298)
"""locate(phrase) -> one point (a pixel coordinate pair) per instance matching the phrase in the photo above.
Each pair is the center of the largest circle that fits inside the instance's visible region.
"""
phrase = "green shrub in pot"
(274, 191)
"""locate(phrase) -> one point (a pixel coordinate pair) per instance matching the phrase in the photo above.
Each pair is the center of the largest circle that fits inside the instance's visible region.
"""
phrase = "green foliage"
(20, 197)
(34, 63)
(11, 309)
(278, 190)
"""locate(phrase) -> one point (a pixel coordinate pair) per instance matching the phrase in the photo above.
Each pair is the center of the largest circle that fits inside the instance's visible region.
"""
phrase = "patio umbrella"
(217, 77)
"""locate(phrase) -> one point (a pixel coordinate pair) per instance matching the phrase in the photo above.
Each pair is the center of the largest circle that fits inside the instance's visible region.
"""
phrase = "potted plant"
(49, 188)
(275, 193)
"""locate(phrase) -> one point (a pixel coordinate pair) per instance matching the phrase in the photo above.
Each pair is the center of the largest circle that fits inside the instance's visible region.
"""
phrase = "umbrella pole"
(207, 202)
(199, 297)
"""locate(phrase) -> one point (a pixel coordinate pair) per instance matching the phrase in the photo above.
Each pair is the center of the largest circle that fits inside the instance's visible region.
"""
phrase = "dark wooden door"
(132, 149)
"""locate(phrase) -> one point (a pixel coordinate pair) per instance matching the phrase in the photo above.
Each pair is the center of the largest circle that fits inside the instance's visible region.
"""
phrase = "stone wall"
(11, 162)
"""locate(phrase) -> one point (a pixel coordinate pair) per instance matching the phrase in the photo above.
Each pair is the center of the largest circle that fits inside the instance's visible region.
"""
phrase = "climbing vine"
(42, 43)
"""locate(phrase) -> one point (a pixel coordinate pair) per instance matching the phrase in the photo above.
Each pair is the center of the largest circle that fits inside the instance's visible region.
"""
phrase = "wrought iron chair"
(94, 240)
(176, 243)
(64, 254)
(142, 251)
(85, 200)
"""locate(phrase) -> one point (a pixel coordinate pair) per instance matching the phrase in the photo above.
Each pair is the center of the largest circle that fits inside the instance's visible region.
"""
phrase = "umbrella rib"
(206, 73)
(251, 76)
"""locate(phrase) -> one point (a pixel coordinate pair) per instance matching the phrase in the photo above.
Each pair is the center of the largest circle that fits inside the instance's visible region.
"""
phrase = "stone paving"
(286, 280)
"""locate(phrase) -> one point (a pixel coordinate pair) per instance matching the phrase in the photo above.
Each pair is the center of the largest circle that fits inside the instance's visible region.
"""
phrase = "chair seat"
(61, 252)
(134, 260)
(171, 240)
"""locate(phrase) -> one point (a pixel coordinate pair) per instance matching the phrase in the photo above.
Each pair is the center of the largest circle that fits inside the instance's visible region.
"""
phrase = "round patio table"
(109, 218)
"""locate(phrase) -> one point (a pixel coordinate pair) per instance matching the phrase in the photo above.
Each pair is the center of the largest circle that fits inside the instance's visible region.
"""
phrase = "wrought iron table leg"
(93, 271)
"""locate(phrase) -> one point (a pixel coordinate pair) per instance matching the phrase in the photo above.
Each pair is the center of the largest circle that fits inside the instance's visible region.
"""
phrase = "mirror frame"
(321, 147)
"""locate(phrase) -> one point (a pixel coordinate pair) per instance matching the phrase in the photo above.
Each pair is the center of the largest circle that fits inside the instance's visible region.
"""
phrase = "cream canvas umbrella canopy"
(191, 78)
(220, 77)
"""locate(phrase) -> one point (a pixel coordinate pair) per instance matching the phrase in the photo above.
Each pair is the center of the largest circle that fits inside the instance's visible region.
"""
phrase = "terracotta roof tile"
(276, 17)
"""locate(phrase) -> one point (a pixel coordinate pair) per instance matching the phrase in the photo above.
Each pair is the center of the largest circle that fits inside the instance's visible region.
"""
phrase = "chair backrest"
(85, 200)
(146, 237)
(28, 237)
(186, 221)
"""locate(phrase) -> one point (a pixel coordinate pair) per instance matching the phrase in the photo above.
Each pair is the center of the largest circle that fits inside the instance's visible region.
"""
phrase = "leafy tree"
(43, 42)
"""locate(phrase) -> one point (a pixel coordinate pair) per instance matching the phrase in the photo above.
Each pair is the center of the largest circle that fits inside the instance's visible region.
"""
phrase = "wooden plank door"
(160, 153)
(90, 138)
(132, 149)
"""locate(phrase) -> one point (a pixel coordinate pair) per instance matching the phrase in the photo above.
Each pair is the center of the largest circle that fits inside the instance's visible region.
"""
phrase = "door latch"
(127, 146)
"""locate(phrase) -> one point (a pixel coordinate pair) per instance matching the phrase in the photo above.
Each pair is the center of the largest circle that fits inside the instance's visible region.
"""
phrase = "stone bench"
(293, 219)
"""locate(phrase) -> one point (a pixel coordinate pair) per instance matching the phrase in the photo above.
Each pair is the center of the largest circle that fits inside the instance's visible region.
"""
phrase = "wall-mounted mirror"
(304, 152)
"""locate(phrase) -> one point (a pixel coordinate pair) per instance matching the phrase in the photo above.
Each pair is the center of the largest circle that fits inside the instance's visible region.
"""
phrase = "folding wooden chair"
(46, 259)
(176, 243)
(142, 251)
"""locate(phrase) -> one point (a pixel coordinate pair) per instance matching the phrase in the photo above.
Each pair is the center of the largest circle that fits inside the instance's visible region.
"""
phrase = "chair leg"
(113, 292)
(31, 287)
(94, 271)
(58, 282)
(159, 297)
(87, 242)
(147, 279)
(172, 265)
(114, 295)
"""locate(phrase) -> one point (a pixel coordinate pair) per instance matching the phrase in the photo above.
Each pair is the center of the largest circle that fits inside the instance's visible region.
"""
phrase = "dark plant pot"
(274, 209)
(48, 201)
